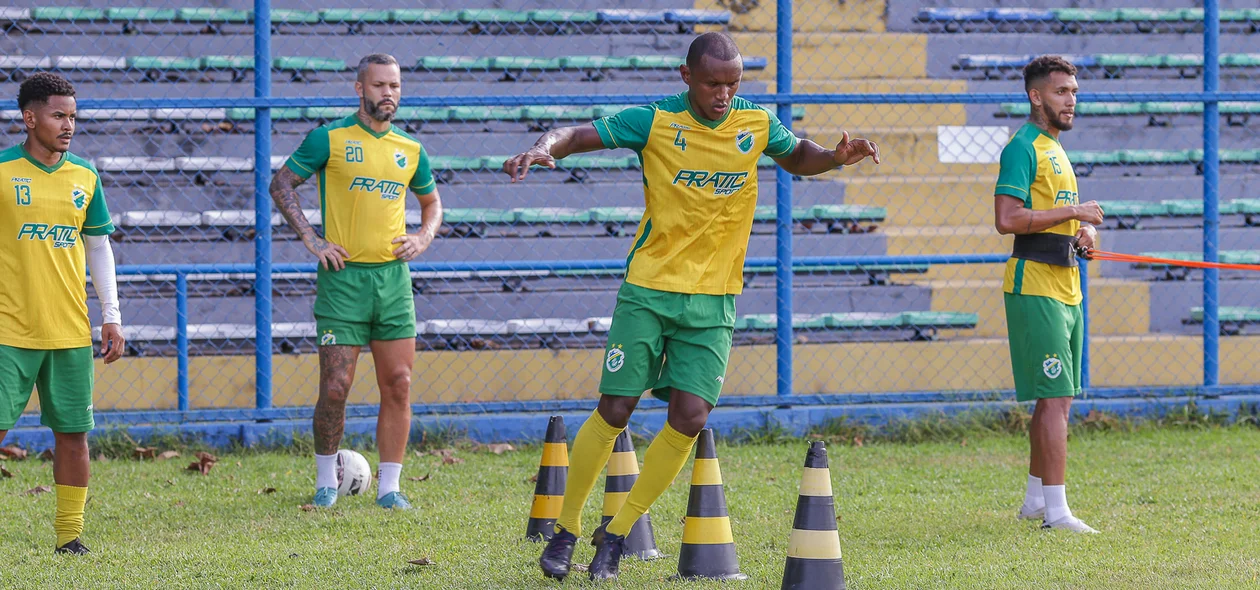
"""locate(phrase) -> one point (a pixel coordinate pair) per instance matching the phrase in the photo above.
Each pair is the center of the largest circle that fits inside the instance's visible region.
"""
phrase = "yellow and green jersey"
(1035, 170)
(363, 182)
(43, 212)
(700, 188)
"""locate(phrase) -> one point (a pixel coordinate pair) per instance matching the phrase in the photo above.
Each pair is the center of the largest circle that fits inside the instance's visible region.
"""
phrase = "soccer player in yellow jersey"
(1036, 199)
(53, 224)
(363, 292)
(674, 320)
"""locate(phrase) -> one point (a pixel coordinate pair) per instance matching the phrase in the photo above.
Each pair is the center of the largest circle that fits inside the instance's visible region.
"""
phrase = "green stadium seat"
(1229, 314)
(1241, 60)
(770, 321)
(598, 162)
(89, 62)
(1239, 256)
(525, 63)
(456, 163)
(551, 215)
(424, 16)
(1181, 60)
(327, 113)
(563, 16)
(1172, 108)
(559, 113)
(468, 216)
(355, 15)
(1129, 60)
(1019, 109)
(283, 114)
(1108, 108)
(485, 113)
(423, 114)
(1234, 15)
(1150, 14)
(288, 16)
(1194, 207)
(844, 213)
(1240, 156)
(1157, 156)
(1090, 15)
(309, 64)
(67, 13)
(213, 15)
(447, 63)
(140, 14)
(490, 16)
(666, 62)
(1247, 206)
(1095, 157)
(939, 319)
(595, 62)
(227, 62)
(1240, 108)
(864, 320)
(617, 214)
(609, 110)
(164, 63)
(1134, 209)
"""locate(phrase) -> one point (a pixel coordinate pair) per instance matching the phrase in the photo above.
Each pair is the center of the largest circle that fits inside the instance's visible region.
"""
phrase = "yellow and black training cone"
(623, 470)
(708, 548)
(553, 469)
(813, 561)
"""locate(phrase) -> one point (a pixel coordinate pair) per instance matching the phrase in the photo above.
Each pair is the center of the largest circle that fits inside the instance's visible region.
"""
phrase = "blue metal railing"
(783, 98)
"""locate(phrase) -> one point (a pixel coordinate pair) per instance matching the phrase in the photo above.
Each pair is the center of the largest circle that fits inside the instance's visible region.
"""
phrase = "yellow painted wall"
(1119, 307)
(830, 56)
(808, 15)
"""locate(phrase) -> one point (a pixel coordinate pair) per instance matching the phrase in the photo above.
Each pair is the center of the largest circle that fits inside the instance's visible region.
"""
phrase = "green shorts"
(364, 302)
(63, 378)
(1047, 337)
(660, 340)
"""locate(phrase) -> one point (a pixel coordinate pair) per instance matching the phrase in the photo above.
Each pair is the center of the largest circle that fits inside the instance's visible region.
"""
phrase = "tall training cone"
(813, 561)
(623, 470)
(708, 548)
(553, 469)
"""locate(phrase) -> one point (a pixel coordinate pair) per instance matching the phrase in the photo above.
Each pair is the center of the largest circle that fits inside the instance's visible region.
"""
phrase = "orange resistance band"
(1117, 257)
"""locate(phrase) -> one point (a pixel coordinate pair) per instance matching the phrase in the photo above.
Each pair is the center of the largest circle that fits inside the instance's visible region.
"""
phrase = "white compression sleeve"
(100, 259)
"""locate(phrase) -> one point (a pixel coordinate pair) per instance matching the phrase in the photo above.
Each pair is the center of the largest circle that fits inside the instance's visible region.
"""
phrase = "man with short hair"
(674, 322)
(1036, 199)
(363, 292)
(50, 198)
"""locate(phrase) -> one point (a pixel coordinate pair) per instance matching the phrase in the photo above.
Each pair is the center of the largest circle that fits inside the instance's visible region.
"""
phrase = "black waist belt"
(1056, 249)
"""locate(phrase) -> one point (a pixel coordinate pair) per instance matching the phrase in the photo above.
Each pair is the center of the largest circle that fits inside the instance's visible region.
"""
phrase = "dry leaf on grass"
(37, 490)
(267, 491)
(145, 452)
(422, 561)
(307, 507)
(857, 441)
(500, 448)
(148, 495)
(451, 460)
(424, 477)
(579, 567)
(177, 504)
(47, 455)
(164, 455)
(203, 464)
(13, 452)
(5, 472)
(533, 478)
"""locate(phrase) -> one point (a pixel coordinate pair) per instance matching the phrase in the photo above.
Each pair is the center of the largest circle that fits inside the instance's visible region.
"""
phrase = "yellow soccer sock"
(69, 520)
(591, 449)
(663, 460)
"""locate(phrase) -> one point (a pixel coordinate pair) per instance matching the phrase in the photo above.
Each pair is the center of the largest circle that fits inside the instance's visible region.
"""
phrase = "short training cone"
(813, 561)
(549, 493)
(708, 548)
(623, 470)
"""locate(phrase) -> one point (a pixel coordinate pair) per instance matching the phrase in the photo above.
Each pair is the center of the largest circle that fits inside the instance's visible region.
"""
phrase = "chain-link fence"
(514, 296)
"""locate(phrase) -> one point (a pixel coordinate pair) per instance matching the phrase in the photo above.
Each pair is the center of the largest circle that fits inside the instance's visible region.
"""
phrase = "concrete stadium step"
(495, 375)
(1174, 298)
(866, 55)
(810, 17)
(857, 117)
(1116, 306)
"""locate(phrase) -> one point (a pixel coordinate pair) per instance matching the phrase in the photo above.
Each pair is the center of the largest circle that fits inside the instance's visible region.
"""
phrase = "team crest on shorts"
(616, 359)
(400, 158)
(79, 197)
(1052, 366)
(744, 141)
(328, 338)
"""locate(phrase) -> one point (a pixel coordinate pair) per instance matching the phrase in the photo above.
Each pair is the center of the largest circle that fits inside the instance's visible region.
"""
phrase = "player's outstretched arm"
(284, 192)
(553, 145)
(1011, 217)
(810, 159)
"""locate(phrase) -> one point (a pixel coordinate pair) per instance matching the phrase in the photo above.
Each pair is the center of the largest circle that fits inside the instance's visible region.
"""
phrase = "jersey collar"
(701, 120)
(41, 165)
(359, 122)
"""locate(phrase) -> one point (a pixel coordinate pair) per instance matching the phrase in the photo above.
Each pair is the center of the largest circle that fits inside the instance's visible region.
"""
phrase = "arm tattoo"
(336, 376)
(284, 192)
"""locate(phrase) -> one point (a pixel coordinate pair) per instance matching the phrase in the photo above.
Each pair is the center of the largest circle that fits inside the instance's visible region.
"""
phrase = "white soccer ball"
(354, 475)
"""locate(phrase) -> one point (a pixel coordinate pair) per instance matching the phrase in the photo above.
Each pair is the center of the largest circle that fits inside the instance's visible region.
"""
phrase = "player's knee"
(336, 389)
(689, 420)
(616, 410)
(72, 442)
(397, 382)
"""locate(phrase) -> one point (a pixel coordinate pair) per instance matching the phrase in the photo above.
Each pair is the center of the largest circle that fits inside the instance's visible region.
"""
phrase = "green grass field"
(1178, 509)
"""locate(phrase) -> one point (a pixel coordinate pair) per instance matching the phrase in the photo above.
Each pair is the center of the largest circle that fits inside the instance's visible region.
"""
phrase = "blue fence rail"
(784, 99)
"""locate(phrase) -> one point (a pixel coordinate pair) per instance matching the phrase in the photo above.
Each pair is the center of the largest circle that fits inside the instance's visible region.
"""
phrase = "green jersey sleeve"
(1018, 169)
(422, 182)
(311, 155)
(98, 222)
(628, 129)
(782, 141)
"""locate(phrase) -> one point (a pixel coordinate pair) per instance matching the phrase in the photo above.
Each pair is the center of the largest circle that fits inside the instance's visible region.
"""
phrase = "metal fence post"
(783, 217)
(181, 336)
(1211, 198)
(262, 206)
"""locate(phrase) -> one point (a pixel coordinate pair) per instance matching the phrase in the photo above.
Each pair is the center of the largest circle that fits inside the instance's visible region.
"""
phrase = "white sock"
(389, 479)
(1033, 498)
(326, 471)
(1056, 503)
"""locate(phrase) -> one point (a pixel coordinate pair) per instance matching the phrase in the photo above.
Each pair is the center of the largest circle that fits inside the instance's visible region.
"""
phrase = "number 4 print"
(680, 141)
